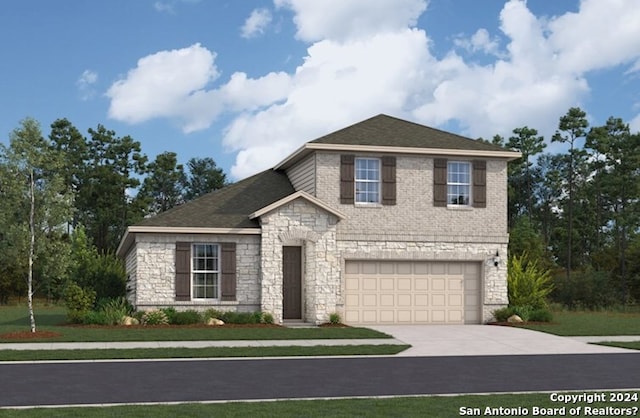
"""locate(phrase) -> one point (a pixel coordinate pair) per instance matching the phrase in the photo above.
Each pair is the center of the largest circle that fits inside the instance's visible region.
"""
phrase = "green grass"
(586, 323)
(433, 407)
(633, 345)
(210, 352)
(53, 318)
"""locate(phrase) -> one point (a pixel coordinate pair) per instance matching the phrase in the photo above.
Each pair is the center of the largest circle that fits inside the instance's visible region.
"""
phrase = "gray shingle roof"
(384, 130)
(228, 207)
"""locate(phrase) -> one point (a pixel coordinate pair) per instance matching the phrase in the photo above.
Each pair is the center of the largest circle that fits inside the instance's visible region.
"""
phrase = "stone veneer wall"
(304, 224)
(130, 264)
(155, 273)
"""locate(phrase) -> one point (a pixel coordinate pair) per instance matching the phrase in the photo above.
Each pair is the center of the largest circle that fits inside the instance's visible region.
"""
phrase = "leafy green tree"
(105, 200)
(164, 186)
(204, 177)
(41, 206)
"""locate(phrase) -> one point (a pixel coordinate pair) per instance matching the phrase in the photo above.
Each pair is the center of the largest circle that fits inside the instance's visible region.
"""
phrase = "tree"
(204, 177)
(572, 126)
(42, 202)
(164, 186)
(105, 200)
(522, 175)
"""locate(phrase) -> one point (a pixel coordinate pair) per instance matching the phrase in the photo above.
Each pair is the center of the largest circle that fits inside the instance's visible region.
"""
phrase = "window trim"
(356, 181)
(469, 184)
(218, 273)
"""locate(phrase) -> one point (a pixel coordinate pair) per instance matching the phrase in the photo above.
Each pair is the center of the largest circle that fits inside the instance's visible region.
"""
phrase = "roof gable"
(297, 195)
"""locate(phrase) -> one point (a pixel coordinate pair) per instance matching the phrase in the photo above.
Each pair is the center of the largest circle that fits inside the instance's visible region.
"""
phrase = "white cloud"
(256, 23)
(480, 41)
(354, 19)
(85, 84)
(634, 125)
(366, 57)
(165, 84)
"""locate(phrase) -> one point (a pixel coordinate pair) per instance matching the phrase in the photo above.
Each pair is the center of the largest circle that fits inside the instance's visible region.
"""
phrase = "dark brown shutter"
(440, 182)
(346, 179)
(388, 180)
(183, 271)
(479, 184)
(228, 260)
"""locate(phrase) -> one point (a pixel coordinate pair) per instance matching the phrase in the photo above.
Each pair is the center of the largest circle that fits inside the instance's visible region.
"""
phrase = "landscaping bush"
(230, 317)
(189, 317)
(335, 319)
(79, 302)
(541, 315)
(155, 317)
(96, 318)
(528, 285)
(502, 314)
(115, 309)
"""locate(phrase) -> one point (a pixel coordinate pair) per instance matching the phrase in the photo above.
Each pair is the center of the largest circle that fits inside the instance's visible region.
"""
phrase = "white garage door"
(412, 292)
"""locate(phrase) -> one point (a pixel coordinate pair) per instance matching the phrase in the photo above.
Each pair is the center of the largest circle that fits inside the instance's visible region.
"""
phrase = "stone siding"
(301, 223)
(155, 273)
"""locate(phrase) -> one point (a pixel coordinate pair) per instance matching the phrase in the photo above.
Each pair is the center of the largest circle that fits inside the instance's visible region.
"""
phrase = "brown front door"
(292, 282)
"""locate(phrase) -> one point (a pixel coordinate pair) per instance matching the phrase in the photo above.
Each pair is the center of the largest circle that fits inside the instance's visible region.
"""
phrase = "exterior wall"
(415, 229)
(155, 273)
(301, 223)
(414, 216)
(303, 175)
(131, 266)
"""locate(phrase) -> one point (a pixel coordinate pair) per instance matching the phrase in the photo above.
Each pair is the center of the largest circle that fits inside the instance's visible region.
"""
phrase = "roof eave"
(310, 147)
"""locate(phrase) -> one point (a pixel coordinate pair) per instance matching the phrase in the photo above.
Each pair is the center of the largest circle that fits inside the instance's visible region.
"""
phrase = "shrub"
(503, 314)
(185, 318)
(155, 317)
(541, 315)
(116, 309)
(96, 318)
(334, 318)
(528, 285)
(79, 302)
(267, 318)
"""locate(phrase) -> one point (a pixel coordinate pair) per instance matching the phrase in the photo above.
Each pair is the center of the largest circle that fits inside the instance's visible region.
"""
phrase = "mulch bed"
(28, 335)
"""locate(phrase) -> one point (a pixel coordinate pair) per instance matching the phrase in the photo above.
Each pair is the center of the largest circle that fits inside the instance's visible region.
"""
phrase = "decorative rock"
(215, 322)
(128, 321)
(514, 319)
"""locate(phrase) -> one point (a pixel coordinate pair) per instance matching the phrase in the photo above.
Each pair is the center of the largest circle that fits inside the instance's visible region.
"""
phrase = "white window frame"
(367, 181)
(215, 271)
(456, 184)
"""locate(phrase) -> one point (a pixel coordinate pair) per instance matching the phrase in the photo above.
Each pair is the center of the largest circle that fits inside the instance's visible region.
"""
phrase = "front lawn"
(53, 318)
(587, 323)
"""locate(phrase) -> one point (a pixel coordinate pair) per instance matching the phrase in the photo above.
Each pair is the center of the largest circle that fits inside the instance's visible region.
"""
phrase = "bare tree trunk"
(32, 229)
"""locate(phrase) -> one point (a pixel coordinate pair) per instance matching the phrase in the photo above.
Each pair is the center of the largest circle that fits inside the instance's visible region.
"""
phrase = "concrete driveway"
(480, 340)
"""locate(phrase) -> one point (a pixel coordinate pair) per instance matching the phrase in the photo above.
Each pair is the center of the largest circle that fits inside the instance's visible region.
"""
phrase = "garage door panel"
(405, 292)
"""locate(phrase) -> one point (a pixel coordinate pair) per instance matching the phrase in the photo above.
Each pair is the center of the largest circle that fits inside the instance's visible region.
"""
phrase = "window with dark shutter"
(388, 180)
(346, 179)
(440, 182)
(228, 256)
(183, 271)
(479, 184)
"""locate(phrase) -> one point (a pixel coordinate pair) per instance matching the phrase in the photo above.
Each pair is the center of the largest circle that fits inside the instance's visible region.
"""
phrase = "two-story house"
(384, 222)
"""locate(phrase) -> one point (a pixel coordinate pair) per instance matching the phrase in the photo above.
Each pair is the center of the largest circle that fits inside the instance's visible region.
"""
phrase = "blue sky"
(247, 82)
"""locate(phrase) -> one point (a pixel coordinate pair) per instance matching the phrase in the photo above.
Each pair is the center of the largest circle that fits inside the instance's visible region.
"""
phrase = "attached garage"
(412, 292)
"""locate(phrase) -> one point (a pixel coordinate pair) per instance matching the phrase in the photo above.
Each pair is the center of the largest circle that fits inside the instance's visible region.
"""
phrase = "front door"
(292, 282)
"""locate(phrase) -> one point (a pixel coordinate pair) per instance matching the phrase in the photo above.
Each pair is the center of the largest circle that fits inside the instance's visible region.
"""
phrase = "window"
(458, 183)
(205, 271)
(367, 180)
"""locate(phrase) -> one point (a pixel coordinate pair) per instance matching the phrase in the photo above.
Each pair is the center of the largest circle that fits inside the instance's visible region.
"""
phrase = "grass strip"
(633, 345)
(209, 352)
(587, 323)
(432, 406)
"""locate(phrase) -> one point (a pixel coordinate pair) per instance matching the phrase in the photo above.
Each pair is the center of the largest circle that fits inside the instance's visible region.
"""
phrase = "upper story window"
(367, 180)
(458, 183)
(205, 271)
